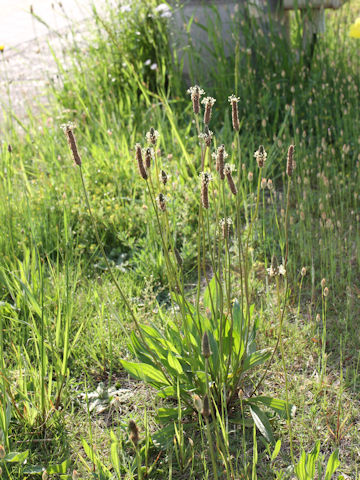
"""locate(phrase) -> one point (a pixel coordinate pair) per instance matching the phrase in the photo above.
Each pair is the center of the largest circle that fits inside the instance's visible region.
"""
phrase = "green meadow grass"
(65, 400)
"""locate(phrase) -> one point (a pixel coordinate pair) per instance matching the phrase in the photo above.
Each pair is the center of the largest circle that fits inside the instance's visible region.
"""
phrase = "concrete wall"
(221, 18)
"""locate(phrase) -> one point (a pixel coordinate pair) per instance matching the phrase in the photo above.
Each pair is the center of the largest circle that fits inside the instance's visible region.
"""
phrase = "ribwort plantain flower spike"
(205, 180)
(206, 136)
(68, 130)
(206, 407)
(152, 136)
(161, 201)
(163, 177)
(290, 164)
(234, 112)
(205, 346)
(260, 156)
(208, 102)
(220, 155)
(196, 93)
(228, 169)
(149, 152)
(134, 432)
(225, 224)
(140, 162)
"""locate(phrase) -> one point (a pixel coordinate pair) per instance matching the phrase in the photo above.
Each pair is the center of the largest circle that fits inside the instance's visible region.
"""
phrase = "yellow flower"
(355, 29)
(2, 48)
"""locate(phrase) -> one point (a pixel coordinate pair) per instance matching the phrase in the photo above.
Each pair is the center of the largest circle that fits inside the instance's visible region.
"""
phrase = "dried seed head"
(205, 180)
(161, 201)
(290, 164)
(260, 156)
(10, 148)
(205, 346)
(250, 176)
(134, 432)
(208, 102)
(68, 130)
(149, 153)
(152, 136)
(270, 184)
(220, 155)
(234, 112)
(323, 283)
(196, 93)
(227, 171)
(140, 162)
(263, 183)
(303, 271)
(206, 407)
(163, 177)
(326, 291)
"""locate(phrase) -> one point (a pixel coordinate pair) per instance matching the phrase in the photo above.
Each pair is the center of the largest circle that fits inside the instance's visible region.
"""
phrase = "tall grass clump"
(127, 56)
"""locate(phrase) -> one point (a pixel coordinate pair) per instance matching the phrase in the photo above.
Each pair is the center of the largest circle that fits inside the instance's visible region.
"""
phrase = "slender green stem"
(208, 432)
(288, 413)
(116, 283)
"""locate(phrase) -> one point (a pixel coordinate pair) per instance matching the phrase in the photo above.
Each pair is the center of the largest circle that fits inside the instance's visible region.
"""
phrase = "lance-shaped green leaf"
(262, 423)
(145, 372)
(256, 358)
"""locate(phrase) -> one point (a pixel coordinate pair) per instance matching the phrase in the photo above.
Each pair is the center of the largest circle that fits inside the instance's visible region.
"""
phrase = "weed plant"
(64, 328)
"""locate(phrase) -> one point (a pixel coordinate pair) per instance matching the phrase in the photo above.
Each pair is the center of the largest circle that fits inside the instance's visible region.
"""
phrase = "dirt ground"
(26, 61)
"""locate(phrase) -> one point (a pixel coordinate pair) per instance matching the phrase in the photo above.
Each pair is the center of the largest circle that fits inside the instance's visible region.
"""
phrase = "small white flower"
(206, 177)
(207, 100)
(272, 271)
(164, 10)
(153, 66)
(261, 156)
(152, 136)
(68, 126)
(232, 98)
(151, 151)
(228, 221)
(147, 62)
(229, 168)
(203, 136)
(195, 89)
(215, 154)
(282, 270)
